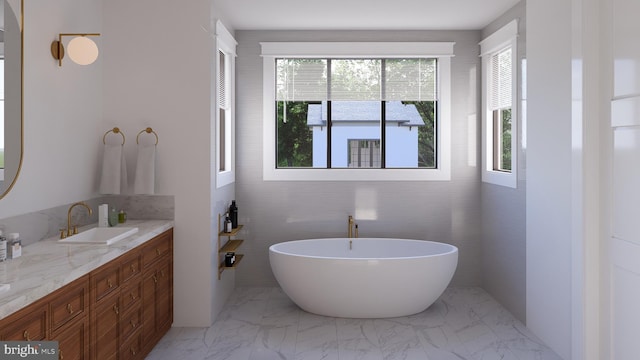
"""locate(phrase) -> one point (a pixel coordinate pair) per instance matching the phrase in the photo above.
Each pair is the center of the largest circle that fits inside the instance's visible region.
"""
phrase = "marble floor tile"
(264, 324)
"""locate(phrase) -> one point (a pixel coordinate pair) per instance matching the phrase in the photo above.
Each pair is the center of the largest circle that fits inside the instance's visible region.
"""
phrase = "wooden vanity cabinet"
(60, 316)
(118, 311)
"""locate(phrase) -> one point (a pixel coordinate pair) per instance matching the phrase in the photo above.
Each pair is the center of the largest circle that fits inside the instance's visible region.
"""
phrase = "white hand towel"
(114, 170)
(145, 170)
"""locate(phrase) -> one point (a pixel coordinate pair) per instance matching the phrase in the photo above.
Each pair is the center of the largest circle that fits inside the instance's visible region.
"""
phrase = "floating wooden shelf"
(233, 231)
(229, 246)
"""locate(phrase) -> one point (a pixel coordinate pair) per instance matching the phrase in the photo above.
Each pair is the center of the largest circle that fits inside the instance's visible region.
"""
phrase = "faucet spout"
(69, 230)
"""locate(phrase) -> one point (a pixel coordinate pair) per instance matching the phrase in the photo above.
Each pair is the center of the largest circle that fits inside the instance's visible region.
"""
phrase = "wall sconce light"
(81, 49)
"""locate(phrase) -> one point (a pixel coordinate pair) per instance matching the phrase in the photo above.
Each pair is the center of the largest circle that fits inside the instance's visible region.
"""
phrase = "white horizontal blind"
(501, 85)
(410, 79)
(301, 80)
(356, 79)
(222, 80)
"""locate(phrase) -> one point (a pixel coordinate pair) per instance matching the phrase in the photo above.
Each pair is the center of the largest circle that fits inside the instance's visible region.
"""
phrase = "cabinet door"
(105, 327)
(164, 296)
(73, 341)
(149, 320)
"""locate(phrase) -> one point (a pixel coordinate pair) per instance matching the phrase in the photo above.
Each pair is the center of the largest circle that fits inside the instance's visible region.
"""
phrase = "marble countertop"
(48, 265)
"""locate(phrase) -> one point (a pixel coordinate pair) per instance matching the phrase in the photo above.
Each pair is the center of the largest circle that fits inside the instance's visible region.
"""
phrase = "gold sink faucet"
(350, 230)
(73, 231)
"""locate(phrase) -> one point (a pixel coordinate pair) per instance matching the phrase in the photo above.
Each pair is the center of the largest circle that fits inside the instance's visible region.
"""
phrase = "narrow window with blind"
(499, 106)
(224, 107)
(355, 113)
(501, 88)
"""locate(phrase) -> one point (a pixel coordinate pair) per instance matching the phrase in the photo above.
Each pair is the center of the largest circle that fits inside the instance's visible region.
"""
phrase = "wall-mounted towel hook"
(148, 131)
(115, 130)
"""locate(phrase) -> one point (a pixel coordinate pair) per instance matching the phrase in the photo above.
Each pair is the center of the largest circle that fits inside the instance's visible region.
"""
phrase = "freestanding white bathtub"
(375, 278)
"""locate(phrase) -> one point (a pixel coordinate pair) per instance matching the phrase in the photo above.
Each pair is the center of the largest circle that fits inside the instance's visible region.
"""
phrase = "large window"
(499, 106)
(388, 114)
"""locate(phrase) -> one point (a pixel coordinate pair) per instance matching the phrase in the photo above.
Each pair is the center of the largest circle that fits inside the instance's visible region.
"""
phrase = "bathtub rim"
(452, 249)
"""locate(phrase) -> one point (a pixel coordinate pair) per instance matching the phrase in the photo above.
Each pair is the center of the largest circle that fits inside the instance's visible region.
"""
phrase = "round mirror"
(11, 123)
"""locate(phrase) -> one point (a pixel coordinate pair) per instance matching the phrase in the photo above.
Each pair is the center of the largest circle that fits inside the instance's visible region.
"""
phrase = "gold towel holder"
(115, 130)
(148, 131)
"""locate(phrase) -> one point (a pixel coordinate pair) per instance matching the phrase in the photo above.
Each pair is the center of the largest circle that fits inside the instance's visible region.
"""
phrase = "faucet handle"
(63, 233)
(75, 229)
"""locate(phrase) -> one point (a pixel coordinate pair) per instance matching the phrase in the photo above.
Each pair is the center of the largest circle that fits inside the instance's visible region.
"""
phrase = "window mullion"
(329, 123)
(383, 117)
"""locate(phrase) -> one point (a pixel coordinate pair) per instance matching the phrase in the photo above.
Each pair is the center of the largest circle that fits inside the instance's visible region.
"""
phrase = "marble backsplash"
(47, 223)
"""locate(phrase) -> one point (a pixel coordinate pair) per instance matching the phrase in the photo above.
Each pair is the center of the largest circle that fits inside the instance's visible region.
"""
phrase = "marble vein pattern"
(466, 323)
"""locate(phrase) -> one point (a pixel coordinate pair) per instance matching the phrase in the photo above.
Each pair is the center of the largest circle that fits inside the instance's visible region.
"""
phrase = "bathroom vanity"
(98, 302)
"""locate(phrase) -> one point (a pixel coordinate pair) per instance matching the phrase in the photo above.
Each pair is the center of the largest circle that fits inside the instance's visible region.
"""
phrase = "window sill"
(356, 175)
(500, 178)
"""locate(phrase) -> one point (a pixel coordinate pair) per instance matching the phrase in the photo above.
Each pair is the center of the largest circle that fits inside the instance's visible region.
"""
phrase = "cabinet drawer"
(132, 349)
(131, 295)
(130, 267)
(157, 248)
(130, 323)
(105, 281)
(69, 304)
(32, 326)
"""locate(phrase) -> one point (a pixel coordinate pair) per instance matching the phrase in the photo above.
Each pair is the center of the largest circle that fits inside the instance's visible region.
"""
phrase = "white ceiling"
(361, 14)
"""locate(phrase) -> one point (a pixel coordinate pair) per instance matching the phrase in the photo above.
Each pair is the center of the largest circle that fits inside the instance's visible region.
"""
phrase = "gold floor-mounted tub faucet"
(350, 233)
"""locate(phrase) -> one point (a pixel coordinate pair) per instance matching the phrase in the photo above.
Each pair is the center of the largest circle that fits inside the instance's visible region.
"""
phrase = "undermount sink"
(100, 235)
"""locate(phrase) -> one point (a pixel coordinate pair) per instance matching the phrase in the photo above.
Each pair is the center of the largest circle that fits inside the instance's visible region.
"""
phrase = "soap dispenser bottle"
(233, 214)
(113, 217)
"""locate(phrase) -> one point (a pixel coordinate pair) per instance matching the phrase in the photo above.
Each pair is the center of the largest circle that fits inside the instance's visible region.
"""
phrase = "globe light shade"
(82, 50)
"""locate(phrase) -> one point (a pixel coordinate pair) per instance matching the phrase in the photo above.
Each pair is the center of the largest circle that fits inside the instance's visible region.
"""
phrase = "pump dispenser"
(233, 214)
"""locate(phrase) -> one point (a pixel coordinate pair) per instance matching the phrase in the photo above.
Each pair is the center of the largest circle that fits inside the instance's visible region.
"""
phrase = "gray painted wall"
(503, 211)
(273, 212)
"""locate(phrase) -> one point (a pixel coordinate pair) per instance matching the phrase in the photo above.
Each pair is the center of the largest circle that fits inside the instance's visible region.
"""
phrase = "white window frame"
(498, 41)
(441, 50)
(226, 44)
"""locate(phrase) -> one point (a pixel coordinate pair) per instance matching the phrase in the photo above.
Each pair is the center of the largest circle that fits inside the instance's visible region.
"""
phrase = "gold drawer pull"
(116, 310)
(155, 279)
(26, 336)
(61, 357)
(133, 351)
(70, 308)
(133, 325)
(158, 251)
(133, 296)
(133, 268)
(109, 283)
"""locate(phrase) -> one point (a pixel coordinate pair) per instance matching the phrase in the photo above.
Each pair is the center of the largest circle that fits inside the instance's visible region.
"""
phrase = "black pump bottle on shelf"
(233, 214)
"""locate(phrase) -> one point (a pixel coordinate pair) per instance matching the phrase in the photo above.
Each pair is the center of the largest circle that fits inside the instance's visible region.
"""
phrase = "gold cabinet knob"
(26, 336)
(70, 308)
